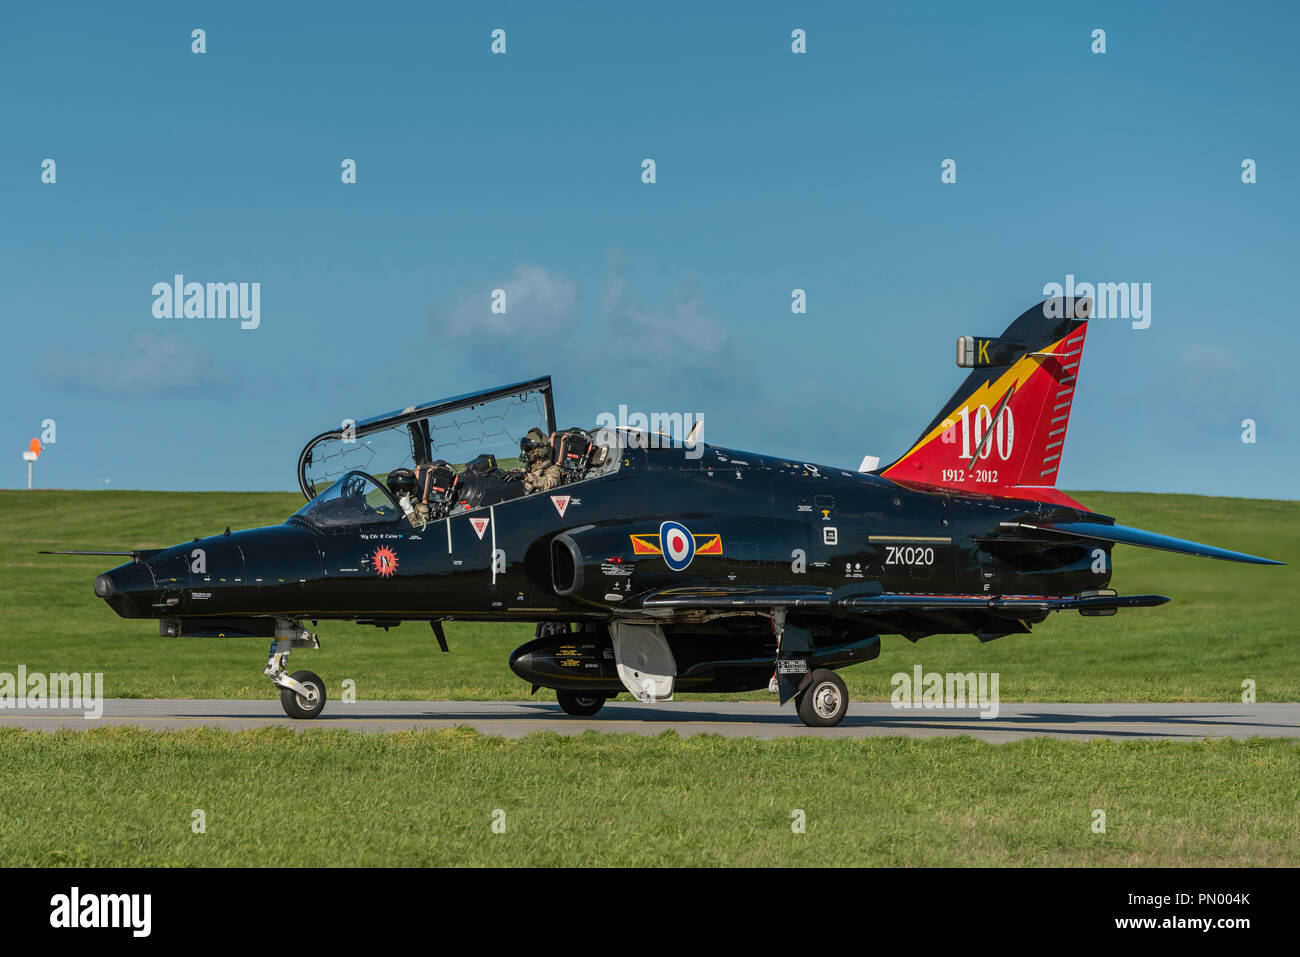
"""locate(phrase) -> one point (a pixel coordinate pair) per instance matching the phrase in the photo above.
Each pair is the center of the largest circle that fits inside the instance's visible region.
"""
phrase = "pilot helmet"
(401, 482)
(533, 445)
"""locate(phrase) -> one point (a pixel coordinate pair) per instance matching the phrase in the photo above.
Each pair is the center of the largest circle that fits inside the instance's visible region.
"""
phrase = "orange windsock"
(34, 446)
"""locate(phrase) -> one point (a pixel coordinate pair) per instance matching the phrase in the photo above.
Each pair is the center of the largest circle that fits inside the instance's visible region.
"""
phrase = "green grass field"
(1226, 623)
(122, 796)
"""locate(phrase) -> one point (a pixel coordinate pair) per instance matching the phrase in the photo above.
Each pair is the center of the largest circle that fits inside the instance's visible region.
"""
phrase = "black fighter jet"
(656, 564)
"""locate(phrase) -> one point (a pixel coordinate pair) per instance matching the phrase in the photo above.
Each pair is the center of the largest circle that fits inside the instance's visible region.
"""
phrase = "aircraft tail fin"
(1003, 432)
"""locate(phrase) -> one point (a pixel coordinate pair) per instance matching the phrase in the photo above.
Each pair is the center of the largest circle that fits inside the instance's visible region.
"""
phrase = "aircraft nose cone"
(128, 589)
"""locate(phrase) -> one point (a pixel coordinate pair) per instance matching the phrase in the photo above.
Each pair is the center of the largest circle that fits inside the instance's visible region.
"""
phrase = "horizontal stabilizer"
(1123, 535)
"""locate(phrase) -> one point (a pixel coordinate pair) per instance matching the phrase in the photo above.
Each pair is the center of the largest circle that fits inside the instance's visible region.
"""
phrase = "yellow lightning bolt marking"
(987, 393)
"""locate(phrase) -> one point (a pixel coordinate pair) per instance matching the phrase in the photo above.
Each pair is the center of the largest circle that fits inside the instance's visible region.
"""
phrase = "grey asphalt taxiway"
(756, 719)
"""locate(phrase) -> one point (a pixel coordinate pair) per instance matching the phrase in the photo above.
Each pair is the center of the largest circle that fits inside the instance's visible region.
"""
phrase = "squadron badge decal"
(385, 560)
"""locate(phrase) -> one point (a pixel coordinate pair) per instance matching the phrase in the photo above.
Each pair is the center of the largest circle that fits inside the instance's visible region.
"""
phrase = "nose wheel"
(302, 694)
(825, 700)
(310, 701)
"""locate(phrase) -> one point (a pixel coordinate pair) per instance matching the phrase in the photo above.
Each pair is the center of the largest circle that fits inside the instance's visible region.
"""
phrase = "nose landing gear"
(307, 704)
(302, 694)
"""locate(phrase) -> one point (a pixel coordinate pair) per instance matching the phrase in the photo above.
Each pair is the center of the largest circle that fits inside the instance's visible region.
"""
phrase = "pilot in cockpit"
(540, 473)
(401, 482)
(424, 494)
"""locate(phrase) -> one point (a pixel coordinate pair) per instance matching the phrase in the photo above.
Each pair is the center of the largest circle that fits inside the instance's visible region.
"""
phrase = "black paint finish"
(770, 533)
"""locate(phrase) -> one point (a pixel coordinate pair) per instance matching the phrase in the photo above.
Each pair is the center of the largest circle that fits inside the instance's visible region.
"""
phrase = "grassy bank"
(114, 796)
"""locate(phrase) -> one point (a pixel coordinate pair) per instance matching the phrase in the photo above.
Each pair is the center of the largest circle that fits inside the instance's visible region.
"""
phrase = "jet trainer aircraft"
(659, 565)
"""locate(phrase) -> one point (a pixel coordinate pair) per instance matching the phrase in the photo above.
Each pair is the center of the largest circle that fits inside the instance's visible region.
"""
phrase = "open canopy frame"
(455, 429)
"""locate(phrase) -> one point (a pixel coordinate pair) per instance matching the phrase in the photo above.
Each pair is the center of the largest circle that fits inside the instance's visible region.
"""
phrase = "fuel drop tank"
(569, 661)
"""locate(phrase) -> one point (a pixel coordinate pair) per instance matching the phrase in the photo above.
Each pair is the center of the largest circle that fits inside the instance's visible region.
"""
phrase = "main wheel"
(582, 706)
(824, 702)
(298, 706)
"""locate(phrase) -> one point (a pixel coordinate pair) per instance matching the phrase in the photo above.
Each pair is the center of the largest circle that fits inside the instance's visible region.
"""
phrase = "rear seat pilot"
(540, 473)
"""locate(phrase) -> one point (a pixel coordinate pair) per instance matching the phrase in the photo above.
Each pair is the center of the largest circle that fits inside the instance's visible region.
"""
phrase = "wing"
(869, 600)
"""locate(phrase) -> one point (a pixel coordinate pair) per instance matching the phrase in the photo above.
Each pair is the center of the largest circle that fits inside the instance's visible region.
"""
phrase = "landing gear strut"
(302, 694)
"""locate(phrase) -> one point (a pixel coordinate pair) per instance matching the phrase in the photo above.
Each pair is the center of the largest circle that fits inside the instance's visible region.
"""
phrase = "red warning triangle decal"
(561, 502)
(480, 526)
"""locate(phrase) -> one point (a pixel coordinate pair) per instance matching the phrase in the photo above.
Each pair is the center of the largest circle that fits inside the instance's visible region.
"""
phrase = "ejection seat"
(572, 450)
(484, 483)
(433, 485)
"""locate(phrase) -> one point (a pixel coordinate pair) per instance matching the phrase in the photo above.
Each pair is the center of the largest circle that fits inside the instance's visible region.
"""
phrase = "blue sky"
(775, 171)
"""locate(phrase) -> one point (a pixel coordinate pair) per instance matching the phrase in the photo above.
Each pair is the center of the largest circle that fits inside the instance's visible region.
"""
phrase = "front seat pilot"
(401, 482)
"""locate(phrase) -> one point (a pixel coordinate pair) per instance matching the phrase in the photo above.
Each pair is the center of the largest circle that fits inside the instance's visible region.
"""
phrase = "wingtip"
(1251, 559)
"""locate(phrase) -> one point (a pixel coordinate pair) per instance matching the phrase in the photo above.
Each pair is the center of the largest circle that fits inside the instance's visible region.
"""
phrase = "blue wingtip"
(1123, 535)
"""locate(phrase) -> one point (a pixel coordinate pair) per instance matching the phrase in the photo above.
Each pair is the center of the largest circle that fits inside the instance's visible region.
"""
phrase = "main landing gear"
(820, 696)
(302, 694)
(824, 701)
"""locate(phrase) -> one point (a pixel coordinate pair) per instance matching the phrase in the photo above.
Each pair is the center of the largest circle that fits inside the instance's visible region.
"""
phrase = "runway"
(755, 719)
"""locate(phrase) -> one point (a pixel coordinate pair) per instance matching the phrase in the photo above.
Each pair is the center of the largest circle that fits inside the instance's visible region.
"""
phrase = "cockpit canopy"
(456, 429)
(354, 499)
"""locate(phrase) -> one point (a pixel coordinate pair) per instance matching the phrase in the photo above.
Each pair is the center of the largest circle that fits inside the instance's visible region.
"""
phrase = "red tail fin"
(1003, 431)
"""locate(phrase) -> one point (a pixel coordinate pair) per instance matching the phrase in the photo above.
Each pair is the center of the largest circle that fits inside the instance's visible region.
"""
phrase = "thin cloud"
(682, 326)
(538, 303)
(150, 364)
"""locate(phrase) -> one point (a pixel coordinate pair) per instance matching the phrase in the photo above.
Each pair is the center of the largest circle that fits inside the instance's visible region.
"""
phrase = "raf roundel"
(678, 545)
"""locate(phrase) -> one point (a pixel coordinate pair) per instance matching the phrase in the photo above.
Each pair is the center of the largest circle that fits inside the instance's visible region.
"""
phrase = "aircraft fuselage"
(754, 520)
